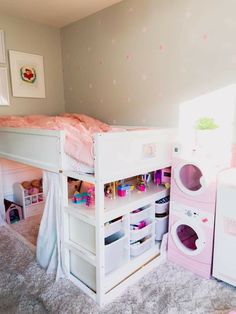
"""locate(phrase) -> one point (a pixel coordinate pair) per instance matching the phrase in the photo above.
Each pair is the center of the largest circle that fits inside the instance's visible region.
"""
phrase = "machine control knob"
(189, 213)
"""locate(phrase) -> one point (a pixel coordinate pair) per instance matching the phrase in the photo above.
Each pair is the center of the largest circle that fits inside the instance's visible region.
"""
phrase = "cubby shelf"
(132, 265)
(119, 206)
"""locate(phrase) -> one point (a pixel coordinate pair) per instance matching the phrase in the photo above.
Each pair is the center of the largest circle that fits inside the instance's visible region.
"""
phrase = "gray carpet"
(26, 289)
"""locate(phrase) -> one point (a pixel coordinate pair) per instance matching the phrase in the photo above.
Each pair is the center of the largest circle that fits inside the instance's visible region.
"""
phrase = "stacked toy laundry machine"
(195, 168)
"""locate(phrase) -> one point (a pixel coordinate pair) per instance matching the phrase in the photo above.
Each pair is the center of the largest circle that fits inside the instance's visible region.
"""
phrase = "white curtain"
(2, 207)
(48, 250)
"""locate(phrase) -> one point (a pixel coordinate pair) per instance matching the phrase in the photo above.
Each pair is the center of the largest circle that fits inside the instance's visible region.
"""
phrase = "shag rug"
(25, 288)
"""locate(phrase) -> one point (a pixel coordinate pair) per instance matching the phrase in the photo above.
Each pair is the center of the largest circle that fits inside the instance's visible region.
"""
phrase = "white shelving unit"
(32, 204)
(91, 263)
(117, 155)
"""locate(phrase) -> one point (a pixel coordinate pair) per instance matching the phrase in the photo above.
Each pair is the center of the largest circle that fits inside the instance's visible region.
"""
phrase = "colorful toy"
(90, 197)
(162, 176)
(141, 185)
(79, 198)
(108, 191)
(124, 189)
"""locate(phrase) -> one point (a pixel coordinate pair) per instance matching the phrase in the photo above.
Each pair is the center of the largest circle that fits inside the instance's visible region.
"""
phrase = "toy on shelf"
(162, 176)
(124, 189)
(110, 190)
(86, 197)
(90, 197)
(79, 198)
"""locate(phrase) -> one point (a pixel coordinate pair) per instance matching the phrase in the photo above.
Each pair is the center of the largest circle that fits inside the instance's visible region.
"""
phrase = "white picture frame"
(2, 48)
(4, 89)
(27, 74)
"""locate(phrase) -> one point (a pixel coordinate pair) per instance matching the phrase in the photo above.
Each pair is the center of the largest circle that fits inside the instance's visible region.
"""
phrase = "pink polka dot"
(161, 47)
(205, 36)
(131, 10)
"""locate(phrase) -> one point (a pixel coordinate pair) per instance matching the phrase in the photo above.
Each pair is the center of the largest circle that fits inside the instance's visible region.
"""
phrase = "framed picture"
(27, 75)
(2, 47)
(4, 90)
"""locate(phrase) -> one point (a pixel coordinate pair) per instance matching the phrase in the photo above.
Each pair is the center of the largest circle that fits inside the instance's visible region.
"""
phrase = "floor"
(28, 228)
(25, 288)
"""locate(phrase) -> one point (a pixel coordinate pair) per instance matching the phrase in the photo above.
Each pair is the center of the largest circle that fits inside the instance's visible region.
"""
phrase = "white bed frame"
(118, 155)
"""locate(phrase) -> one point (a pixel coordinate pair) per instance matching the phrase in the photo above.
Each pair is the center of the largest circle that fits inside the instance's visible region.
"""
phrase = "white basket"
(138, 249)
(112, 228)
(136, 235)
(115, 254)
(162, 208)
(142, 215)
(161, 227)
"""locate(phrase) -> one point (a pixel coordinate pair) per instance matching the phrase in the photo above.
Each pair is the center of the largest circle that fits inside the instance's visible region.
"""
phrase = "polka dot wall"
(135, 62)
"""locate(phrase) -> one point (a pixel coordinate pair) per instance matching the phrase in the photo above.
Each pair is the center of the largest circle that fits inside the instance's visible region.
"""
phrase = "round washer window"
(190, 176)
(187, 236)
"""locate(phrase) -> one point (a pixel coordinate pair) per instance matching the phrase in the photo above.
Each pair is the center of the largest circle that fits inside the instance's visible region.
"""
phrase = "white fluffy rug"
(26, 289)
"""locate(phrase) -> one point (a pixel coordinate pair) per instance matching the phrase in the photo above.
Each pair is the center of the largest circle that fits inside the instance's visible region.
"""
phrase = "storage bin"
(113, 227)
(115, 251)
(143, 214)
(82, 233)
(82, 270)
(138, 249)
(161, 227)
(162, 205)
(138, 234)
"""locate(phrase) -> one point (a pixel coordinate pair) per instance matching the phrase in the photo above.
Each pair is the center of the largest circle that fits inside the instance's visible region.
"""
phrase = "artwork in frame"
(27, 74)
(4, 90)
(2, 48)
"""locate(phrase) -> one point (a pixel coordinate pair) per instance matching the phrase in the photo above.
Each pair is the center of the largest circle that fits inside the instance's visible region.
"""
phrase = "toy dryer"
(192, 213)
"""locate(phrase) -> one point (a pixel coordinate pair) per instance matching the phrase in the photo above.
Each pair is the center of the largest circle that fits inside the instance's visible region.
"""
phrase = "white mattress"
(71, 164)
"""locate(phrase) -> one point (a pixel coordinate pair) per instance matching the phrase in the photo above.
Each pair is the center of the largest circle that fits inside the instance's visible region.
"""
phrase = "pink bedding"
(79, 130)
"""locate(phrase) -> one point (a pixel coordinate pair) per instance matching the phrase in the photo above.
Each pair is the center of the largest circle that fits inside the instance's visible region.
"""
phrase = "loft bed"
(117, 155)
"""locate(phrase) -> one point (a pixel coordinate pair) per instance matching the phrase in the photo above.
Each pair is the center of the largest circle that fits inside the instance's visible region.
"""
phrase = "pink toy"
(124, 189)
(192, 214)
(33, 191)
(162, 176)
(90, 197)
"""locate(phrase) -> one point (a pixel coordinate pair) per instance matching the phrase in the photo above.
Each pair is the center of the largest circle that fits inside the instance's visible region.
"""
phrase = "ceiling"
(54, 12)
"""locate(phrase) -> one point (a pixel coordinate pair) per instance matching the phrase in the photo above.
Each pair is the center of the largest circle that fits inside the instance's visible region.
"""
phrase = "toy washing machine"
(190, 239)
(192, 214)
(194, 181)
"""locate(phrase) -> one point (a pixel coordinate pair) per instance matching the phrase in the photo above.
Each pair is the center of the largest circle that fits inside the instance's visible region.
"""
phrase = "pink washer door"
(189, 238)
(189, 178)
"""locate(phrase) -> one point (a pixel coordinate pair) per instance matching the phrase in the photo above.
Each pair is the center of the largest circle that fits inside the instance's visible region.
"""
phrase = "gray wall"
(30, 37)
(135, 62)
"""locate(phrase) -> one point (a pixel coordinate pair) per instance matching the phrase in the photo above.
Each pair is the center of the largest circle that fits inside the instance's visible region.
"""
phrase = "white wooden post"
(99, 216)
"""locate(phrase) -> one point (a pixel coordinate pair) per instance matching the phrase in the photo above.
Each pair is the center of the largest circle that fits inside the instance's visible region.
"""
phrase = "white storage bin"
(161, 227)
(115, 251)
(32, 204)
(82, 270)
(138, 234)
(142, 215)
(113, 227)
(82, 233)
(138, 249)
(161, 208)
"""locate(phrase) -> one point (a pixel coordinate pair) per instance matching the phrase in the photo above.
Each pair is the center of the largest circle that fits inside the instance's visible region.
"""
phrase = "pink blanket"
(79, 130)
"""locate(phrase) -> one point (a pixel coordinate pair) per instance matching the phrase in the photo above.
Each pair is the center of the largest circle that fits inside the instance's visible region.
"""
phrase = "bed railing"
(34, 147)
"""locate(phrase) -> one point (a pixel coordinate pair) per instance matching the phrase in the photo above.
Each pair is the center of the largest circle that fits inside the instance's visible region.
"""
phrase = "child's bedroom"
(118, 156)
